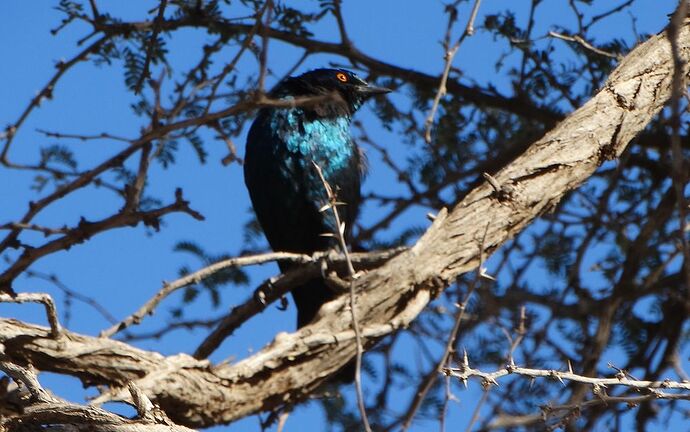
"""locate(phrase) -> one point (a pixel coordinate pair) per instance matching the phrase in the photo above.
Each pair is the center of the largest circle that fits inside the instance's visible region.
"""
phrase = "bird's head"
(353, 90)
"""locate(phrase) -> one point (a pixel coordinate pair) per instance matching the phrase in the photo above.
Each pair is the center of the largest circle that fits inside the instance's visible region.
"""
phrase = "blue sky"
(123, 268)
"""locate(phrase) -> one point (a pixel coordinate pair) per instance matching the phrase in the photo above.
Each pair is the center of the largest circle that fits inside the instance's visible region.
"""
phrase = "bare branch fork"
(340, 235)
(42, 408)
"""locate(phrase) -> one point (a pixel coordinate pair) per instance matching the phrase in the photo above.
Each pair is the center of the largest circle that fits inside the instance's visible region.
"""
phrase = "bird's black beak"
(370, 90)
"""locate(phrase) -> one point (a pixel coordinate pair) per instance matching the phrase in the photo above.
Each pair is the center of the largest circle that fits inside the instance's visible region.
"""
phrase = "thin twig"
(338, 13)
(580, 40)
(85, 229)
(520, 331)
(171, 327)
(70, 293)
(263, 54)
(340, 234)
(448, 396)
(246, 42)
(477, 409)
(145, 73)
(366, 259)
(103, 135)
(47, 231)
(45, 93)
(448, 58)
(196, 277)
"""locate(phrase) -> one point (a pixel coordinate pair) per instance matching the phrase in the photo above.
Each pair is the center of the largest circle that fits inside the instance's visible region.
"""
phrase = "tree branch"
(289, 368)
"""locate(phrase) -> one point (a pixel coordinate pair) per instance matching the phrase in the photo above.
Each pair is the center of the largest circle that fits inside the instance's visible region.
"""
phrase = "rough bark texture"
(198, 394)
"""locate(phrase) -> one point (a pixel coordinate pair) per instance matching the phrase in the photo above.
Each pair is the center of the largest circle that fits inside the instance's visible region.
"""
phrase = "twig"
(654, 389)
(448, 396)
(231, 66)
(47, 231)
(608, 13)
(94, 10)
(340, 234)
(170, 327)
(367, 259)
(103, 135)
(263, 54)
(196, 277)
(232, 149)
(70, 293)
(520, 331)
(46, 92)
(338, 13)
(477, 409)
(464, 372)
(42, 298)
(145, 73)
(85, 229)
(448, 58)
(578, 39)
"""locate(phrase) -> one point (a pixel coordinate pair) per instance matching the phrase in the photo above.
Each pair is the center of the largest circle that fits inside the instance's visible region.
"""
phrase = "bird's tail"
(308, 299)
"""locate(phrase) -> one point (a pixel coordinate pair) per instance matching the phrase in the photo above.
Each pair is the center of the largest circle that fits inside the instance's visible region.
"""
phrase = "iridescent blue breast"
(325, 141)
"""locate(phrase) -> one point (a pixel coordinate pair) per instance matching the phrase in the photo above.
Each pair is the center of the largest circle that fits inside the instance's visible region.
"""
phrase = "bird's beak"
(370, 90)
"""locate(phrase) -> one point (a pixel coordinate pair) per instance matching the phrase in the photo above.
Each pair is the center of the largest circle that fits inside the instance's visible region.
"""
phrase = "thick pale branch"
(26, 406)
(195, 393)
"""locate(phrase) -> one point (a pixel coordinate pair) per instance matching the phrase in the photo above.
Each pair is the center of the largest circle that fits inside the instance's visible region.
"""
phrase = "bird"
(287, 194)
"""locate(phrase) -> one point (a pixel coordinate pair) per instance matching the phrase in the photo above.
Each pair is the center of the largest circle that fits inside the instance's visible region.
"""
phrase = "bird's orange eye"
(341, 77)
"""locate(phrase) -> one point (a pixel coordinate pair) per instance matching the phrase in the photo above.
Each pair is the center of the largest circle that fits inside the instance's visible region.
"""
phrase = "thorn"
(570, 367)
(483, 273)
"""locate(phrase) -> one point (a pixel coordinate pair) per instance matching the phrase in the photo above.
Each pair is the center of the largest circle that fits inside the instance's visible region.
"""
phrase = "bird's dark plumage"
(282, 146)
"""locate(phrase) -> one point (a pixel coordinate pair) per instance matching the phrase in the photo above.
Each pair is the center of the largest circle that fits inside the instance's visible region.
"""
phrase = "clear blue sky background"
(123, 268)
